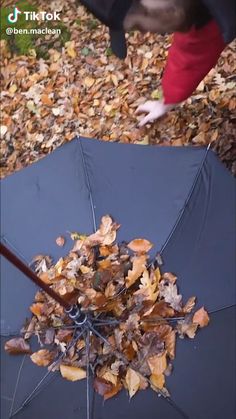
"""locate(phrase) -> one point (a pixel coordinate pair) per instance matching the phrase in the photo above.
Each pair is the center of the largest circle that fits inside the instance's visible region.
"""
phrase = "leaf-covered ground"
(80, 88)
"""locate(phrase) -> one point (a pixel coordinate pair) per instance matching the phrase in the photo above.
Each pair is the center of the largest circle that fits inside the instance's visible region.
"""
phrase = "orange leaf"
(37, 309)
(201, 317)
(43, 357)
(140, 245)
(158, 381)
(139, 265)
(45, 99)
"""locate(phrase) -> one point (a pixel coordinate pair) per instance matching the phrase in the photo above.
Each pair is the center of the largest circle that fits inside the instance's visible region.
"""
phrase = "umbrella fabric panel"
(40, 203)
(45, 200)
(17, 294)
(143, 188)
(203, 381)
(202, 247)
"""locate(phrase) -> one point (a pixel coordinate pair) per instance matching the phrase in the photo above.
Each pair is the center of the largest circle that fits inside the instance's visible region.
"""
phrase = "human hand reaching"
(154, 110)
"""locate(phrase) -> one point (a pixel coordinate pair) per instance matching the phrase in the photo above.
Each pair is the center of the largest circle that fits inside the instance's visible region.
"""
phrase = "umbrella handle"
(12, 258)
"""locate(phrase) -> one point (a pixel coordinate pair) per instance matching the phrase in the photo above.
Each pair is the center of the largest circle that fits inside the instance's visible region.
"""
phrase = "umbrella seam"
(88, 184)
(186, 201)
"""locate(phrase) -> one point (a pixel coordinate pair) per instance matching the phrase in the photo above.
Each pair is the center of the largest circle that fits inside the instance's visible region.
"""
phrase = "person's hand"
(154, 110)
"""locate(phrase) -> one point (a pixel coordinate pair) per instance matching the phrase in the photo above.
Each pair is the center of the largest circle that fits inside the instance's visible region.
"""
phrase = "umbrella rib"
(88, 186)
(221, 309)
(186, 201)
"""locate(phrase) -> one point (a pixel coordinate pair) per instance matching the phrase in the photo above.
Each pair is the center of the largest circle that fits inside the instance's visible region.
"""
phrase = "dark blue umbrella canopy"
(183, 201)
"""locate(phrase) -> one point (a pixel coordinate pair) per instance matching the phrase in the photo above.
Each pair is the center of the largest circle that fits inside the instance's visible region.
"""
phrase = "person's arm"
(190, 58)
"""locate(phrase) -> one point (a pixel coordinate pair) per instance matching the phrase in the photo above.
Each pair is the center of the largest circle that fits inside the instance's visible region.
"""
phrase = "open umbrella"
(182, 200)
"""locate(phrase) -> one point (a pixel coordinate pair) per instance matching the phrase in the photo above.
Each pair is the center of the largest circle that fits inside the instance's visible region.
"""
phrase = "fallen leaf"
(170, 294)
(148, 288)
(43, 357)
(60, 241)
(89, 81)
(138, 267)
(72, 373)
(102, 386)
(157, 364)
(70, 49)
(17, 346)
(132, 380)
(46, 100)
(201, 317)
(189, 305)
(157, 381)
(140, 246)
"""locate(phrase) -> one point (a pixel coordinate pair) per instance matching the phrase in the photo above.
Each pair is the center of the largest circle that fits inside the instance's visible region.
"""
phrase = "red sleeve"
(190, 58)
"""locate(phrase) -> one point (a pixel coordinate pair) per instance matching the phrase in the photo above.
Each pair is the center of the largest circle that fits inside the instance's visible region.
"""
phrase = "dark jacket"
(224, 12)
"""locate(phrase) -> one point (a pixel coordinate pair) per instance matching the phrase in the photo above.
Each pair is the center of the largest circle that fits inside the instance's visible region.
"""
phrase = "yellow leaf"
(157, 364)
(89, 81)
(114, 80)
(72, 373)
(201, 317)
(132, 380)
(13, 88)
(148, 286)
(158, 381)
(70, 49)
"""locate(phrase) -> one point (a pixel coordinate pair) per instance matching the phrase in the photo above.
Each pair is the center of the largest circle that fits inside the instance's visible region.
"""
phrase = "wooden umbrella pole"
(32, 276)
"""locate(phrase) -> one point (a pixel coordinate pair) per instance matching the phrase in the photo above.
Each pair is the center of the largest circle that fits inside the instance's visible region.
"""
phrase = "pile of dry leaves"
(136, 310)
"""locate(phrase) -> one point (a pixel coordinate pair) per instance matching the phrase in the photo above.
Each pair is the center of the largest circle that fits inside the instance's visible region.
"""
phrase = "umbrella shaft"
(31, 275)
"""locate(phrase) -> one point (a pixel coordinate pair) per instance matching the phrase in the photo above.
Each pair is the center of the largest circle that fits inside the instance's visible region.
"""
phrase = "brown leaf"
(72, 373)
(140, 246)
(17, 346)
(159, 309)
(171, 296)
(102, 386)
(201, 317)
(187, 327)
(115, 389)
